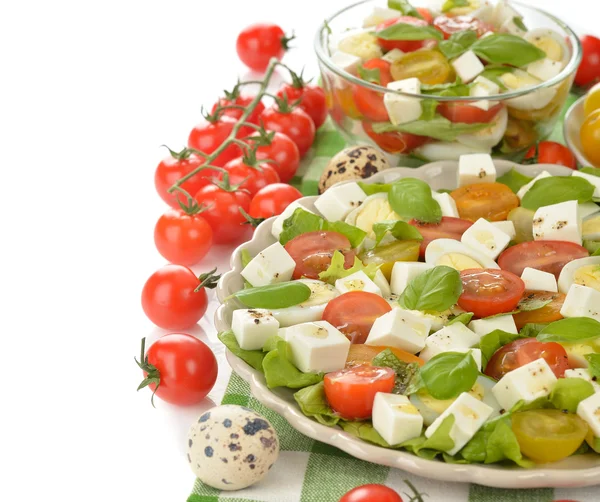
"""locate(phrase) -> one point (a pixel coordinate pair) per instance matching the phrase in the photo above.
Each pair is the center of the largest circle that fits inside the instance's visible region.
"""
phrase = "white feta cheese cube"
(358, 281)
(482, 327)
(403, 109)
(447, 204)
(538, 280)
(581, 301)
(346, 62)
(589, 410)
(396, 418)
(587, 209)
(594, 180)
(448, 339)
(379, 15)
(508, 227)
(476, 168)
(338, 201)
(484, 237)
(404, 272)
(483, 87)
(393, 55)
(545, 69)
(253, 327)
(504, 12)
(527, 383)
(558, 222)
(476, 353)
(468, 66)
(401, 329)
(513, 27)
(317, 347)
(584, 374)
(270, 266)
(525, 188)
(383, 284)
(469, 415)
(277, 227)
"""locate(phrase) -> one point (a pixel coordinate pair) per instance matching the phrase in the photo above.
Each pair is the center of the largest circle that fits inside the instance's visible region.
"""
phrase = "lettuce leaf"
(364, 431)
(313, 403)
(337, 271)
(280, 372)
(253, 357)
(405, 372)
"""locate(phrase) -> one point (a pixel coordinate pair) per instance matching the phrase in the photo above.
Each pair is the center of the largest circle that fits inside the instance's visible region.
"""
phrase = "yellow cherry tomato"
(523, 221)
(492, 201)
(344, 99)
(389, 254)
(592, 101)
(590, 137)
(520, 134)
(548, 435)
(429, 66)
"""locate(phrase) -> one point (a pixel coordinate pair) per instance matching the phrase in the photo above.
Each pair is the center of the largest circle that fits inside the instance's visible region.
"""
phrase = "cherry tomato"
(249, 177)
(592, 100)
(361, 354)
(296, 124)
(169, 298)
(209, 136)
(312, 100)
(272, 200)
(590, 137)
(354, 313)
(429, 66)
(185, 367)
(387, 255)
(448, 228)
(550, 152)
(522, 352)
(548, 313)
(450, 25)
(492, 201)
(284, 152)
(589, 69)
(182, 239)
(489, 292)
(369, 102)
(236, 113)
(403, 45)
(425, 14)
(395, 142)
(351, 391)
(371, 493)
(547, 256)
(467, 114)
(223, 213)
(260, 42)
(312, 252)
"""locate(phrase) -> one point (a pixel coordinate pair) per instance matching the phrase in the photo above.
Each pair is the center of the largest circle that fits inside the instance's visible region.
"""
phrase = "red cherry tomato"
(296, 124)
(249, 177)
(260, 42)
(272, 200)
(209, 136)
(312, 100)
(489, 292)
(467, 114)
(450, 25)
(425, 14)
(351, 391)
(550, 152)
(448, 228)
(523, 351)
(185, 367)
(169, 298)
(589, 69)
(403, 45)
(547, 256)
(181, 238)
(371, 493)
(394, 142)
(368, 102)
(354, 313)
(236, 113)
(284, 152)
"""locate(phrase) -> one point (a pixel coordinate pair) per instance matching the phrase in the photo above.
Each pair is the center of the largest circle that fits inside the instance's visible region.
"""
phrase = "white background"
(88, 93)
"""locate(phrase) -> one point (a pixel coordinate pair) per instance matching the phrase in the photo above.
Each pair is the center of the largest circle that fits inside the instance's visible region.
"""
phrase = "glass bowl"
(515, 128)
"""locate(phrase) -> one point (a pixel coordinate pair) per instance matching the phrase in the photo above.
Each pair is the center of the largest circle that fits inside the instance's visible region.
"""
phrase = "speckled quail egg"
(232, 447)
(352, 163)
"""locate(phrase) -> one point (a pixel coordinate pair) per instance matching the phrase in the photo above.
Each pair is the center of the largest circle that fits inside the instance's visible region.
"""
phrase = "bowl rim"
(566, 72)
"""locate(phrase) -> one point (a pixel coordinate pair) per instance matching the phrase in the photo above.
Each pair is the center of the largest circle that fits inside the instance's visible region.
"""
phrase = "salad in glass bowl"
(436, 80)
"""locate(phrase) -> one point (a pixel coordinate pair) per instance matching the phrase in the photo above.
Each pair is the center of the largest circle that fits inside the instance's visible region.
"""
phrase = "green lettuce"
(253, 357)
(337, 271)
(313, 403)
(405, 372)
(280, 372)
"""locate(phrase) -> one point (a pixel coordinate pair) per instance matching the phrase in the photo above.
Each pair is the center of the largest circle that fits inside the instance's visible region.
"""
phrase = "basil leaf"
(456, 88)
(411, 198)
(437, 128)
(313, 403)
(373, 188)
(519, 23)
(451, 4)
(556, 189)
(337, 270)
(569, 392)
(594, 364)
(436, 289)
(274, 296)
(594, 171)
(593, 247)
(253, 357)
(364, 431)
(405, 8)
(458, 43)
(369, 74)
(429, 106)
(280, 372)
(514, 180)
(493, 341)
(449, 374)
(530, 302)
(354, 234)
(504, 48)
(494, 72)
(573, 329)
(404, 31)
(464, 318)
(399, 229)
(405, 372)
(531, 330)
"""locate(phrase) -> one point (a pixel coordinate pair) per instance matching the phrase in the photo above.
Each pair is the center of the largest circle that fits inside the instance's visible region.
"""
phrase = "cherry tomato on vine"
(209, 136)
(589, 69)
(371, 493)
(294, 123)
(182, 238)
(178, 368)
(236, 113)
(369, 102)
(249, 175)
(260, 42)
(550, 152)
(283, 151)
(311, 97)
(272, 200)
(403, 45)
(449, 25)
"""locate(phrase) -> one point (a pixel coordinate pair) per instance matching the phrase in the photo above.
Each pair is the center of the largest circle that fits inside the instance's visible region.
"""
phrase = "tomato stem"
(152, 373)
(208, 280)
(254, 222)
(417, 496)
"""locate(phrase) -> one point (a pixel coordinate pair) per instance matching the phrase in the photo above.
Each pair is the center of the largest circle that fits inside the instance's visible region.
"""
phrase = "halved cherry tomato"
(548, 313)
(425, 14)
(429, 66)
(522, 352)
(394, 142)
(354, 313)
(313, 251)
(403, 45)
(448, 228)
(548, 435)
(550, 152)
(368, 102)
(351, 391)
(489, 291)
(363, 354)
(492, 201)
(547, 256)
(467, 114)
(387, 255)
(450, 25)
(371, 493)
(590, 137)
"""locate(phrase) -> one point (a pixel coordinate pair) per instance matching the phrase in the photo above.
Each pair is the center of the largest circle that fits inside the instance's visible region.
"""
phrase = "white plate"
(571, 129)
(581, 470)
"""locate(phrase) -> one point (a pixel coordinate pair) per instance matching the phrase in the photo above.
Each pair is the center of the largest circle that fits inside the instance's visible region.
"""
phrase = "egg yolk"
(373, 212)
(588, 276)
(458, 261)
(591, 226)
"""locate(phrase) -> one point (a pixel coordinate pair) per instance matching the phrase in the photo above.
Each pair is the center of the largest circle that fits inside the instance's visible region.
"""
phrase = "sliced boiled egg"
(489, 137)
(374, 209)
(519, 80)
(584, 271)
(443, 150)
(551, 43)
(456, 255)
(590, 228)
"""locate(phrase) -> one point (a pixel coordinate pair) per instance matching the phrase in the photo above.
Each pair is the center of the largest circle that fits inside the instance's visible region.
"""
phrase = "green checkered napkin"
(310, 471)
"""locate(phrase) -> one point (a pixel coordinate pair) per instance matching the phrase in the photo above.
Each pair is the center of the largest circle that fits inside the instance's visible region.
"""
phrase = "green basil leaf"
(274, 296)
(337, 271)
(436, 289)
(364, 431)
(399, 229)
(452, 4)
(437, 128)
(519, 23)
(531, 330)
(456, 88)
(354, 234)
(405, 8)
(593, 364)
(253, 357)
(313, 403)
(405, 372)
(369, 74)
(373, 188)
(429, 106)
(556, 189)
(280, 372)
(493, 341)
(412, 198)
(514, 180)
(573, 330)
(531, 302)
(464, 318)
(404, 31)
(593, 247)
(594, 171)
(494, 72)
(458, 43)
(504, 48)
(569, 392)
(449, 374)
